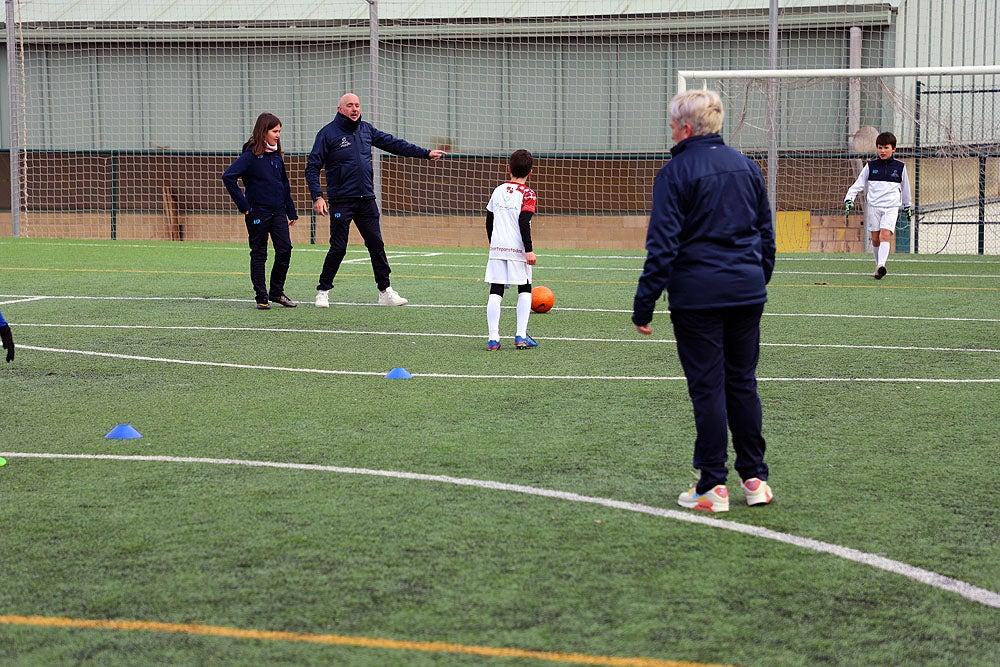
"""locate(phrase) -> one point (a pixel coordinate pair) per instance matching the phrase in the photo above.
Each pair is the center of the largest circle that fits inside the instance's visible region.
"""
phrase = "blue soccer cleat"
(524, 343)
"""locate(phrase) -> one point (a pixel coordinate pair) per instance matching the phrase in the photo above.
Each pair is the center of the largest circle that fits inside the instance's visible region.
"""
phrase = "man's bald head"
(350, 106)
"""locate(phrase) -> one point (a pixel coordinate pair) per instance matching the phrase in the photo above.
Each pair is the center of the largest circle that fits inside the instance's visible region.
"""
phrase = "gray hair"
(701, 109)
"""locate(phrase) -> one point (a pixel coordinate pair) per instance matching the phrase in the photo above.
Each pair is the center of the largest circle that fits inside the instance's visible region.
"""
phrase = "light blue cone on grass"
(398, 374)
(123, 431)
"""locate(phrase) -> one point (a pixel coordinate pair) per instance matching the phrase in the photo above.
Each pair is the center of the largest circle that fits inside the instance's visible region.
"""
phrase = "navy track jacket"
(344, 147)
(266, 183)
(710, 242)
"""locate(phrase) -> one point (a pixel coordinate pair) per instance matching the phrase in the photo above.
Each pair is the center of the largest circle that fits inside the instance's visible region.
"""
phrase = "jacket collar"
(699, 139)
(346, 123)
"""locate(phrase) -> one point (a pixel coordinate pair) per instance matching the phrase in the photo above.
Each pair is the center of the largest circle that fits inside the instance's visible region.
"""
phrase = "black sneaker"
(285, 301)
(263, 305)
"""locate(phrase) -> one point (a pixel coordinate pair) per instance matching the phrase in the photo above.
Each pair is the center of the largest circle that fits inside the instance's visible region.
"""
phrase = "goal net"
(123, 115)
(815, 130)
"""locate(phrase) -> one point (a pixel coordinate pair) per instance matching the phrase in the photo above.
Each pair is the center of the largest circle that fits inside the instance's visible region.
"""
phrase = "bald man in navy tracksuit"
(711, 246)
(344, 148)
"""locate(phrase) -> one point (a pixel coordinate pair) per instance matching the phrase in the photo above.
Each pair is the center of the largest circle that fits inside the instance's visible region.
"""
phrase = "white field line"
(487, 376)
(639, 256)
(188, 362)
(18, 298)
(638, 269)
(424, 334)
(966, 590)
(362, 258)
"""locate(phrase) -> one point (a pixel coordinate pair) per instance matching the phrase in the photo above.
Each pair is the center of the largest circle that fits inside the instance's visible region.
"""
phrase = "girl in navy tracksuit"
(267, 207)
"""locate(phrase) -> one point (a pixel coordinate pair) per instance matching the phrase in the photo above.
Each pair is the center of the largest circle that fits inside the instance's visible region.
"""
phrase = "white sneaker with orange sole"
(715, 499)
(757, 491)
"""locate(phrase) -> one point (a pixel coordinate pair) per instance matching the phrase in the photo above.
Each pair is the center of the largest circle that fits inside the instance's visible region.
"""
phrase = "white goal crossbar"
(684, 75)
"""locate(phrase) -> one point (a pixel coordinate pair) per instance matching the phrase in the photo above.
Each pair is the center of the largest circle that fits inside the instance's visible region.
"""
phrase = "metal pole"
(772, 115)
(114, 195)
(916, 170)
(854, 115)
(373, 83)
(14, 95)
(854, 87)
(982, 205)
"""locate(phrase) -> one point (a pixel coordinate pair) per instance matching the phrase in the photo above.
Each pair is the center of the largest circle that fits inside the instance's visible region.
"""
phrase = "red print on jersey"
(529, 200)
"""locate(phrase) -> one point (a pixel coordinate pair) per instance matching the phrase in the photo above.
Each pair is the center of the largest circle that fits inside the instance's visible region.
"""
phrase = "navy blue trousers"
(364, 213)
(259, 227)
(719, 349)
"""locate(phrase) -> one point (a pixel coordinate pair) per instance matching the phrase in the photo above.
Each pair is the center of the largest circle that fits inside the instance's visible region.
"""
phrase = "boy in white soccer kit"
(508, 228)
(888, 187)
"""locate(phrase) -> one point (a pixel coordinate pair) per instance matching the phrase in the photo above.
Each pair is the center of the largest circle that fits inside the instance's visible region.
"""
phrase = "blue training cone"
(123, 431)
(398, 374)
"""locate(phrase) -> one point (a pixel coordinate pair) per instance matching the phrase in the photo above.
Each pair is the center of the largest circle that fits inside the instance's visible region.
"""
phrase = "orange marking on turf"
(342, 640)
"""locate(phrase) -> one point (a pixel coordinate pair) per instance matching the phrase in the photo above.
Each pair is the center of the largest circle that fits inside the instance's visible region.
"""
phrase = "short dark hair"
(885, 139)
(520, 163)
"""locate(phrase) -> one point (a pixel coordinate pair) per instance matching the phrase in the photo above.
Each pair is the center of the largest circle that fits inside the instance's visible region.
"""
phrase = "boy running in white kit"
(888, 187)
(508, 227)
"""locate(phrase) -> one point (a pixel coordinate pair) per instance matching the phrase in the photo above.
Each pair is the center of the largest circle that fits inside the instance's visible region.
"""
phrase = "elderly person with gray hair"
(710, 246)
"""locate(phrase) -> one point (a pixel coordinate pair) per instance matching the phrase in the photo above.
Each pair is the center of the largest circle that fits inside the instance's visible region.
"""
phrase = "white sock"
(523, 311)
(883, 253)
(875, 248)
(493, 315)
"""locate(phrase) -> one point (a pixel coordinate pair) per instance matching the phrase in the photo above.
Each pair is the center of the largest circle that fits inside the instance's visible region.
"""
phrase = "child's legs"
(282, 241)
(881, 224)
(257, 239)
(493, 310)
(885, 244)
(523, 309)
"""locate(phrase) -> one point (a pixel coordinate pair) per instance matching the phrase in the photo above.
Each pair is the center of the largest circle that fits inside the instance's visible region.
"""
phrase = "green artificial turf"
(880, 407)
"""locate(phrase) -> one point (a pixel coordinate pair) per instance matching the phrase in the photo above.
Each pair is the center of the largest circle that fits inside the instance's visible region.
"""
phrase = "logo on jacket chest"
(345, 142)
(275, 163)
(894, 172)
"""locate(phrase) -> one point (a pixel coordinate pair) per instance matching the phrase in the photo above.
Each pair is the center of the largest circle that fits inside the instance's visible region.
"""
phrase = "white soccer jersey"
(506, 204)
(887, 183)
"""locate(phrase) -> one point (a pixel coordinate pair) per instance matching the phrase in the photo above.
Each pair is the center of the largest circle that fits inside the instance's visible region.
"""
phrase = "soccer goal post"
(947, 124)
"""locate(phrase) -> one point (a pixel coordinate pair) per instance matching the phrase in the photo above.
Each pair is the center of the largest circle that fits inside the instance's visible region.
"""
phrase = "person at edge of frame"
(7, 337)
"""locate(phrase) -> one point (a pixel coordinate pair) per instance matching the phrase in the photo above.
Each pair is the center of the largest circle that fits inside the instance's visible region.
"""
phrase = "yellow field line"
(341, 640)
